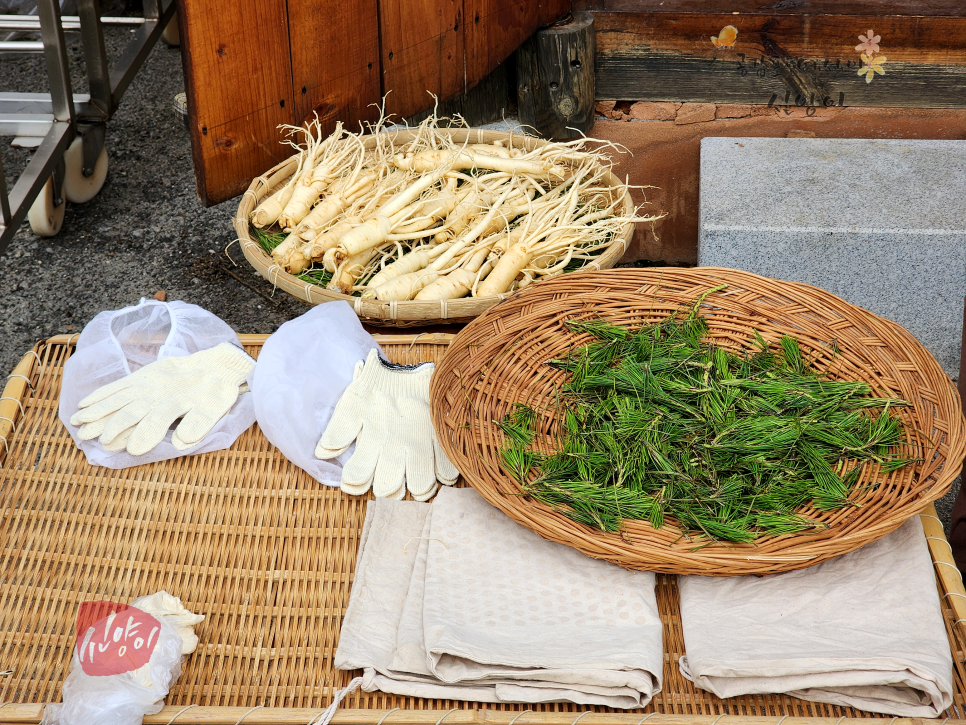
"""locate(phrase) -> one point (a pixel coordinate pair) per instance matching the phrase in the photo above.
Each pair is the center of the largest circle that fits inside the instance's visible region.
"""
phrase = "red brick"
(695, 113)
(650, 111)
(603, 108)
(734, 110)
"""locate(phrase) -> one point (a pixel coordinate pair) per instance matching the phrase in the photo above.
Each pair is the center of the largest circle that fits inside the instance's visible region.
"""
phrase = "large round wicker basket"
(498, 360)
(408, 313)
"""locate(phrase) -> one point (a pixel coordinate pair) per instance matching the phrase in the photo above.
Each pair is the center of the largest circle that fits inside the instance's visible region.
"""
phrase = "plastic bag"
(121, 669)
(301, 372)
(119, 342)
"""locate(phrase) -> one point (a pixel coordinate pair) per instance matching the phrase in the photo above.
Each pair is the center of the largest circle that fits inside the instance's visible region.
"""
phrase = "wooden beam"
(555, 78)
(790, 53)
(17, 714)
(871, 8)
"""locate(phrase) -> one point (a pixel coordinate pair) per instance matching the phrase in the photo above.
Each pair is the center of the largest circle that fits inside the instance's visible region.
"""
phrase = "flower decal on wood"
(726, 38)
(871, 63)
(872, 66)
(869, 44)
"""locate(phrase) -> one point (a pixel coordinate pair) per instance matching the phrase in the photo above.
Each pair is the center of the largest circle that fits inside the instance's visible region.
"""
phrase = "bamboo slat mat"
(267, 555)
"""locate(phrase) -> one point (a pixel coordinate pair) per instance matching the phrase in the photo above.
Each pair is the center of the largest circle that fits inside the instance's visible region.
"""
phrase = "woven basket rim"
(411, 312)
(528, 324)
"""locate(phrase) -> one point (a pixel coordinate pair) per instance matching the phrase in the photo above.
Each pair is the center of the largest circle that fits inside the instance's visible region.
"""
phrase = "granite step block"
(880, 223)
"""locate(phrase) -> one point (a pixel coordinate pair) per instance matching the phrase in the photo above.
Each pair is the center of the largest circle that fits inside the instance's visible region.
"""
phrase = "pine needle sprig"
(658, 422)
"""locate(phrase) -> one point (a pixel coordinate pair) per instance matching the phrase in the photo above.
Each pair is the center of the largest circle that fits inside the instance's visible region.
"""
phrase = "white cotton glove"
(385, 410)
(136, 411)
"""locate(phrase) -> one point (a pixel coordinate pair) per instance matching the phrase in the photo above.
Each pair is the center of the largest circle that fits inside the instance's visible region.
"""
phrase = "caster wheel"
(170, 36)
(80, 188)
(45, 218)
(181, 109)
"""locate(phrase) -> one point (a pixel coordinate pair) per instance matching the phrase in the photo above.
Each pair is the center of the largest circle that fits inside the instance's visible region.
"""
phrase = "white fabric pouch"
(863, 630)
(117, 343)
(301, 372)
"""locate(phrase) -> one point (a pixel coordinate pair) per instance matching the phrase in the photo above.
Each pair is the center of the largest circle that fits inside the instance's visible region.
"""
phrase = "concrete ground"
(145, 231)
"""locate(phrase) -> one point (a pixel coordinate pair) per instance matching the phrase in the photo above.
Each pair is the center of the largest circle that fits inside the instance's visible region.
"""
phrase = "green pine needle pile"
(656, 422)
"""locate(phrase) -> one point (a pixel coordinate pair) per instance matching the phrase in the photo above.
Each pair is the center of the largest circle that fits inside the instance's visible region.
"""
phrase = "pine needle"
(656, 422)
(267, 240)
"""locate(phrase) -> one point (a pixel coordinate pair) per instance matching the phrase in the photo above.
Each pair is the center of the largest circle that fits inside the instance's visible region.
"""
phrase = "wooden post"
(555, 78)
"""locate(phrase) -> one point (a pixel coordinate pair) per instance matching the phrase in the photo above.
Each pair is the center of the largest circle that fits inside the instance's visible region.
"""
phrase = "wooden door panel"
(260, 63)
(335, 60)
(239, 86)
(422, 52)
(496, 28)
(237, 151)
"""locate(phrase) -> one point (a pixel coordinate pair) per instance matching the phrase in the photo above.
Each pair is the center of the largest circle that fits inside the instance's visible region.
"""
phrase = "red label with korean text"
(113, 638)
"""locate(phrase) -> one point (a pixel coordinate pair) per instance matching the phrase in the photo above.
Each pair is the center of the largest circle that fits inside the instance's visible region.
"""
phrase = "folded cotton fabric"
(863, 630)
(384, 566)
(491, 612)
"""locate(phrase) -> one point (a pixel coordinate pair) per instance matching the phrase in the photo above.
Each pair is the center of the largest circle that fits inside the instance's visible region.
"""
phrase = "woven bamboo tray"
(395, 314)
(267, 555)
(499, 360)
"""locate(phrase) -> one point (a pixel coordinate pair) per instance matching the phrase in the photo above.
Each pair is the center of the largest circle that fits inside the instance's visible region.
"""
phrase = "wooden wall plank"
(780, 59)
(496, 28)
(449, 46)
(239, 85)
(422, 52)
(235, 152)
(486, 102)
(335, 60)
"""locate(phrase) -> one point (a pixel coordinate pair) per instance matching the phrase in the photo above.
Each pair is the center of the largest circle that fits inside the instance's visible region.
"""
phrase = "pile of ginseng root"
(435, 219)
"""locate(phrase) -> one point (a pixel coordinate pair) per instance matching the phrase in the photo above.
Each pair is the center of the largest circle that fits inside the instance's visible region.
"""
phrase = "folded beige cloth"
(454, 600)
(863, 630)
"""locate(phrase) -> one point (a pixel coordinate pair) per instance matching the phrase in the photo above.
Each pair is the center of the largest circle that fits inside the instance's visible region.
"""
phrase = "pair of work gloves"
(385, 411)
(135, 412)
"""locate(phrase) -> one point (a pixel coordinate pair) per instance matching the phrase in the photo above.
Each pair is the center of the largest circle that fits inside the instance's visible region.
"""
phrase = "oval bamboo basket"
(498, 360)
(397, 314)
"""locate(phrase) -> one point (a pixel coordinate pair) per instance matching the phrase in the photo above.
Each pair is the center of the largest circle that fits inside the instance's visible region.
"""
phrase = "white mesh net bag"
(117, 343)
(301, 373)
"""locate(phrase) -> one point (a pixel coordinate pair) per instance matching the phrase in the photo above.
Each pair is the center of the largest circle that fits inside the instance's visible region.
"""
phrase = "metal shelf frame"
(51, 121)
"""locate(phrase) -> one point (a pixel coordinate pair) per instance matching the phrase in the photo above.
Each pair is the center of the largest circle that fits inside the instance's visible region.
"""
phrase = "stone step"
(880, 223)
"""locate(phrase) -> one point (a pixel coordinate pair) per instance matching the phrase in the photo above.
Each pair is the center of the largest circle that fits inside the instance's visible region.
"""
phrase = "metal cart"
(67, 129)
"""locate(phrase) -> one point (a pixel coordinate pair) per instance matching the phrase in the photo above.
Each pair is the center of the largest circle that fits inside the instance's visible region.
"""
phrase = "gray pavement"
(784, 208)
(144, 232)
